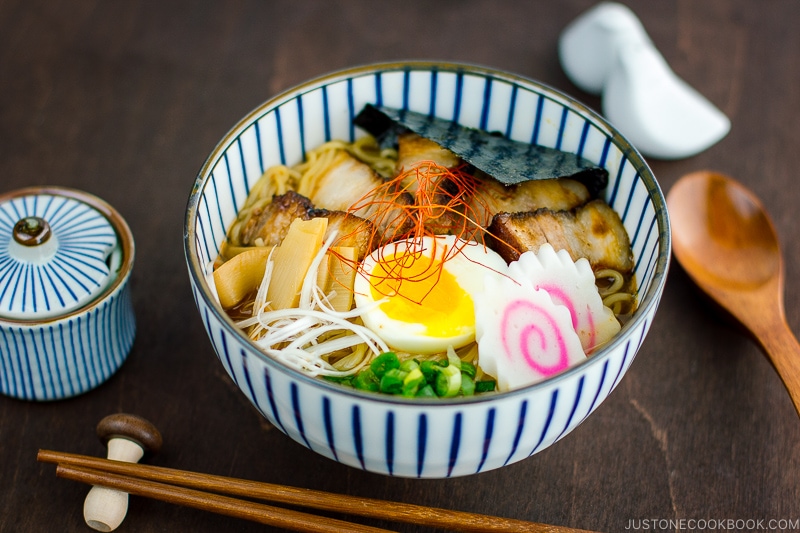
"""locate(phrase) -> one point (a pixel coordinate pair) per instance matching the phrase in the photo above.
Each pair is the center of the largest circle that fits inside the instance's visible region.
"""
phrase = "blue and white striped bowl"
(385, 434)
(66, 316)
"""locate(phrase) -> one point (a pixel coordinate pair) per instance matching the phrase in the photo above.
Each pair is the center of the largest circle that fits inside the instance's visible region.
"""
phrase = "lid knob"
(32, 231)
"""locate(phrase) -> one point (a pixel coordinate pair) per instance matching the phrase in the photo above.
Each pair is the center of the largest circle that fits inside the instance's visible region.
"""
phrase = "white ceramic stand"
(607, 51)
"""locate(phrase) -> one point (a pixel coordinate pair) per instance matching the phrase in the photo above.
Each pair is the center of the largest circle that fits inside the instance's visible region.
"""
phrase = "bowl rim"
(647, 302)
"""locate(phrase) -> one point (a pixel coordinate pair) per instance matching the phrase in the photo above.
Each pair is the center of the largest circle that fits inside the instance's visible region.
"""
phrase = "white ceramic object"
(589, 46)
(607, 51)
(411, 437)
(66, 318)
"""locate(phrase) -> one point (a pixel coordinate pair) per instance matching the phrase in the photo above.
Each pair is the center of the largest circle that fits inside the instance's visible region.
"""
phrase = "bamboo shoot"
(337, 274)
(292, 259)
(241, 275)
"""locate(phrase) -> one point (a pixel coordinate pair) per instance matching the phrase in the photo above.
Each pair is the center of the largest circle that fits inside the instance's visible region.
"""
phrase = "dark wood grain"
(124, 99)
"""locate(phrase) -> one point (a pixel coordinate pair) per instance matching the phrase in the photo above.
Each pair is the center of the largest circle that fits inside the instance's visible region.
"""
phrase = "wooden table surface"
(124, 99)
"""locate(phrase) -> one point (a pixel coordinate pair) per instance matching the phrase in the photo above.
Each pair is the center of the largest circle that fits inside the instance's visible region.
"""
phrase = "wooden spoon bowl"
(726, 242)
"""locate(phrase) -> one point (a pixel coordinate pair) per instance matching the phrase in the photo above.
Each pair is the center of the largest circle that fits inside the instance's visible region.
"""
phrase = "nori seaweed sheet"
(508, 161)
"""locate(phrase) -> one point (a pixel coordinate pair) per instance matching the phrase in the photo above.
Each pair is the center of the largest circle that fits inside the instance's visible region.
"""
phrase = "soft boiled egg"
(418, 295)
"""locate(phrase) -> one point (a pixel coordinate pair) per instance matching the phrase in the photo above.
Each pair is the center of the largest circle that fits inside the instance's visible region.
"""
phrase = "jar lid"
(57, 253)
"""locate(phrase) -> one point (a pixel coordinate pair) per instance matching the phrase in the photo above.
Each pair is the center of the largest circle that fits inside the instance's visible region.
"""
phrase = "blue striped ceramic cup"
(386, 434)
(66, 317)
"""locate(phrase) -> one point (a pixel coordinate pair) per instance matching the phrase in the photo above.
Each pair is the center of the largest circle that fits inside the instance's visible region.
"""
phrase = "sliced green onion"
(486, 385)
(426, 392)
(467, 385)
(468, 369)
(366, 380)
(384, 362)
(408, 365)
(448, 381)
(415, 376)
(341, 380)
(411, 378)
(392, 381)
(430, 369)
(412, 382)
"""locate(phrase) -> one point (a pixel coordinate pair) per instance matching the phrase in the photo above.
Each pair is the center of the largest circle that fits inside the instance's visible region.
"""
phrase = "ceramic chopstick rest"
(128, 438)
(607, 51)
(589, 45)
(66, 315)
(661, 114)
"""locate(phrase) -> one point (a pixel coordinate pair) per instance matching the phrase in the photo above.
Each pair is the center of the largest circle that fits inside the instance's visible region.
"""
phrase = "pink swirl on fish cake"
(560, 296)
(536, 319)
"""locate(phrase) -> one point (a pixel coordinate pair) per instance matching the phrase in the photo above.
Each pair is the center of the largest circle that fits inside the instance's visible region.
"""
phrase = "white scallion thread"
(309, 332)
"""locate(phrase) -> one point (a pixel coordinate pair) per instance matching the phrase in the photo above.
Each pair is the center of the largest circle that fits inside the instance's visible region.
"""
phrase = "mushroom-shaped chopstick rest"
(128, 438)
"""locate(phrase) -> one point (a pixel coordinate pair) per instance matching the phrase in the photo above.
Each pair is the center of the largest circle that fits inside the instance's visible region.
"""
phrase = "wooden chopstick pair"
(207, 492)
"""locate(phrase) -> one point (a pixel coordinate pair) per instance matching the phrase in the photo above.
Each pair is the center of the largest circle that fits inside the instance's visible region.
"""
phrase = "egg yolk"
(421, 291)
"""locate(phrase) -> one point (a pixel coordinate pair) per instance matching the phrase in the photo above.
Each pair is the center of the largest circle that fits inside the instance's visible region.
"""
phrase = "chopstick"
(256, 512)
(159, 483)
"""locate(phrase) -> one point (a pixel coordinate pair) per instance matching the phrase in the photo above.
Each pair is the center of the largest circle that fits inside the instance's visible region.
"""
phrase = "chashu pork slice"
(351, 231)
(593, 231)
(558, 194)
(271, 223)
(351, 186)
(347, 181)
(413, 149)
(418, 162)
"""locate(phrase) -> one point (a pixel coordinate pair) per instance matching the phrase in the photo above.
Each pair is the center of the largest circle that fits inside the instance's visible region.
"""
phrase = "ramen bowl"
(392, 435)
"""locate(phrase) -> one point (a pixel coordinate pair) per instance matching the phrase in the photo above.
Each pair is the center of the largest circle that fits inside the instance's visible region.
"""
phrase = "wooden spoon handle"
(783, 350)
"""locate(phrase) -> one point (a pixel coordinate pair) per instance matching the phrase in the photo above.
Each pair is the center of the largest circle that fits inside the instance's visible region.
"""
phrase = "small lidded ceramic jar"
(66, 315)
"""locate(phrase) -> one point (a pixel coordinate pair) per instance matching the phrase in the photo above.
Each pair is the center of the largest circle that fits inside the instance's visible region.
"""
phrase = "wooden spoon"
(724, 239)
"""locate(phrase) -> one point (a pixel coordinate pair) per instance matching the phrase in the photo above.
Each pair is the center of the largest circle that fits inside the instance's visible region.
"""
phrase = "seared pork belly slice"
(351, 231)
(352, 186)
(431, 188)
(271, 223)
(347, 181)
(413, 149)
(392, 214)
(593, 231)
(555, 194)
